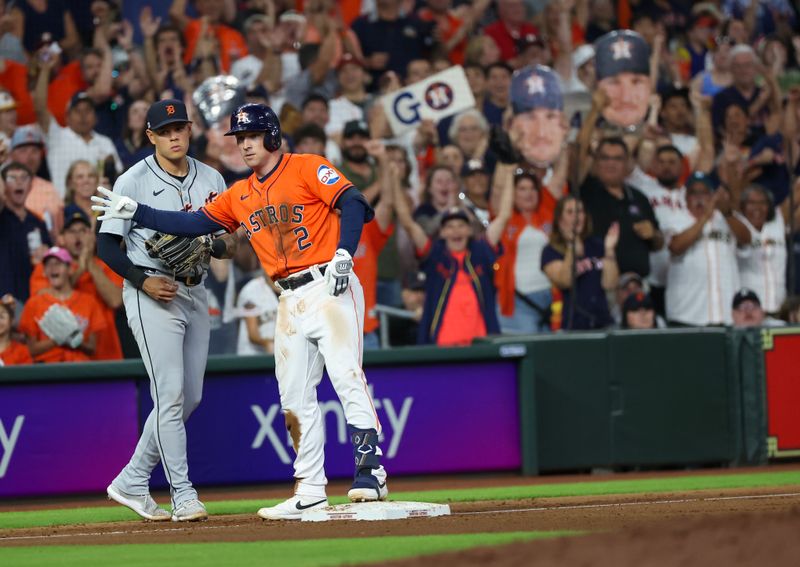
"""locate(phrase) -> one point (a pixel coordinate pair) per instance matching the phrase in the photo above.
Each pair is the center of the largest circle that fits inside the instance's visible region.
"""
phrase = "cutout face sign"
(622, 60)
(539, 127)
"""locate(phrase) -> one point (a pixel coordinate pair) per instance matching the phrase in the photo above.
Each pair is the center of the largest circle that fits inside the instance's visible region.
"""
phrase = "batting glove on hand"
(113, 206)
(337, 274)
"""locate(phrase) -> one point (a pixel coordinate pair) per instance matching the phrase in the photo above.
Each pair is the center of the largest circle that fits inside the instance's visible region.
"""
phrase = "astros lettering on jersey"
(286, 216)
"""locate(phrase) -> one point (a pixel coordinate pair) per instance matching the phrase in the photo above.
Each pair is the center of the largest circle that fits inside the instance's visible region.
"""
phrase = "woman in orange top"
(11, 351)
(524, 294)
(85, 308)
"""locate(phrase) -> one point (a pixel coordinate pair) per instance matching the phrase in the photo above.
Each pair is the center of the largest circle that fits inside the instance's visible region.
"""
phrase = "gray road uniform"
(172, 337)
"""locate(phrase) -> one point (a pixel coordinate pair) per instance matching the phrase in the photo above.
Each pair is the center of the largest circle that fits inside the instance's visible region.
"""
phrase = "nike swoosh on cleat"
(157, 193)
(381, 485)
(307, 506)
(243, 197)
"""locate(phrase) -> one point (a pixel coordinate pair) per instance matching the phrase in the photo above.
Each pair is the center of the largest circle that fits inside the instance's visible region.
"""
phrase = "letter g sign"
(405, 108)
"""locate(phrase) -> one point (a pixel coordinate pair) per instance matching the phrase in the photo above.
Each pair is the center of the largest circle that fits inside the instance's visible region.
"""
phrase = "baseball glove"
(61, 325)
(180, 253)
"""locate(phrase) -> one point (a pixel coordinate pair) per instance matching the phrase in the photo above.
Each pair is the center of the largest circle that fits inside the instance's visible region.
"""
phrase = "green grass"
(38, 518)
(318, 552)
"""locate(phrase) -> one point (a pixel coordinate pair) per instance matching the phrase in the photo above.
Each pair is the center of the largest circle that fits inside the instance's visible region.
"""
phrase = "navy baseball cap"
(473, 166)
(353, 127)
(745, 294)
(167, 111)
(454, 213)
(636, 301)
(621, 51)
(79, 97)
(700, 177)
(72, 214)
(536, 87)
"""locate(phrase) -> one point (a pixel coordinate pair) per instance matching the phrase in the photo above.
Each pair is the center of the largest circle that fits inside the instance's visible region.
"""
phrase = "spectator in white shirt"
(762, 262)
(666, 195)
(257, 306)
(703, 277)
(353, 101)
(78, 140)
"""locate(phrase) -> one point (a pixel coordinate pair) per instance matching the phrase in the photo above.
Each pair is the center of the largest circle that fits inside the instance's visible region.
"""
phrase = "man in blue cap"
(538, 128)
(622, 60)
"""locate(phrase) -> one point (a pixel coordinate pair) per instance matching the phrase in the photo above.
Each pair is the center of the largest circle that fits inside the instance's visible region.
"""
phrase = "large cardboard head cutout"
(622, 60)
(539, 127)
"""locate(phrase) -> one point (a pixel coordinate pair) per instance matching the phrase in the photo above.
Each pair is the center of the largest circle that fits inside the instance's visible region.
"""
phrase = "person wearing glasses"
(609, 199)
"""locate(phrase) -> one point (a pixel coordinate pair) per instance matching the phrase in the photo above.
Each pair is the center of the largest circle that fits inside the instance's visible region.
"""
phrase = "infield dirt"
(715, 527)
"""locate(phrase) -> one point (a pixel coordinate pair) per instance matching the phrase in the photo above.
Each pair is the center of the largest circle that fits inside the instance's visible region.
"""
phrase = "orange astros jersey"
(289, 217)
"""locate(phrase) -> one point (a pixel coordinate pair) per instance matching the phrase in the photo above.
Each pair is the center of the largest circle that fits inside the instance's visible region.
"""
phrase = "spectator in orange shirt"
(373, 238)
(14, 78)
(90, 74)
(27, 148)
(91, 276)
(11, 351)
(84, 307)
(460, 294)
(231, 44)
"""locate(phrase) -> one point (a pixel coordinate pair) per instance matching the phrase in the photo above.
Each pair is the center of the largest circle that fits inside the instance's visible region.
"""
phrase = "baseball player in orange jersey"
(303, 219)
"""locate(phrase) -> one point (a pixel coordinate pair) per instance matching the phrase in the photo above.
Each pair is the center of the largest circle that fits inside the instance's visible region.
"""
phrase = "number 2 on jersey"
(302, 236)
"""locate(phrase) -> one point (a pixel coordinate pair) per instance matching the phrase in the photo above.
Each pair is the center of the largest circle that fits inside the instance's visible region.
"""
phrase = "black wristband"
(218, 248)
(136, 276)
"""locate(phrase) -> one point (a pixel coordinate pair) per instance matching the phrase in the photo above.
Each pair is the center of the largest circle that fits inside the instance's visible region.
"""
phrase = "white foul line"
(194, 526)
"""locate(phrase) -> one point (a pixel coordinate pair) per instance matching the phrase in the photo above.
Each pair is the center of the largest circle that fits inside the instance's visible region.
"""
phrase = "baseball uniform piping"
(155, 389)
(363, 376)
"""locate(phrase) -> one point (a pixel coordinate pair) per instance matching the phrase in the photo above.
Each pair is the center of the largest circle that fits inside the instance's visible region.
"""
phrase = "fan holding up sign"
(539, 127)
(622, 59)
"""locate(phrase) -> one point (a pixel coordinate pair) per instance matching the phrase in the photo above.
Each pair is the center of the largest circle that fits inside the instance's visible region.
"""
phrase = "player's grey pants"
(173, 339)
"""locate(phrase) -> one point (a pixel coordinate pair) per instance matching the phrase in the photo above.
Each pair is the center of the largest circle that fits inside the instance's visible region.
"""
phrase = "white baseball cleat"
(292, 508)
(145, 506)
(190, 511)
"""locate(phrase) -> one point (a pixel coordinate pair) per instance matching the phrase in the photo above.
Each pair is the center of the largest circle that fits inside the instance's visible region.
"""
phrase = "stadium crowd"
(671, 198)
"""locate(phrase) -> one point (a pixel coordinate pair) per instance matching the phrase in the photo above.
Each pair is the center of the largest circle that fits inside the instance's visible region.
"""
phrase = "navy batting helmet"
(255, 117)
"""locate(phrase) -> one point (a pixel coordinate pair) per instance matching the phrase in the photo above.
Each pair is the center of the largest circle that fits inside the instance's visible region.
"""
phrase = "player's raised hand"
(337, 274)
(113, 206)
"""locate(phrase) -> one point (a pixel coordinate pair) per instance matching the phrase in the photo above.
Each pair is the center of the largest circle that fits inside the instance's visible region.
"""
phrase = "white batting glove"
(113, 206)
(337, 274)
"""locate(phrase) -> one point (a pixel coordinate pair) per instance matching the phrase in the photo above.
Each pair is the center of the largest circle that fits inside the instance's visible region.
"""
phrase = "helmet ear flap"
(272, 143)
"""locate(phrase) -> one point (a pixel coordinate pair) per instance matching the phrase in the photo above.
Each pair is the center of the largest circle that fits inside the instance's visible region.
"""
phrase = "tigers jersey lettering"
(289, 218)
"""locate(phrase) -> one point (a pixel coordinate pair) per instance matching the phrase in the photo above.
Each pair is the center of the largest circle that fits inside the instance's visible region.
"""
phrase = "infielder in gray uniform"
(167, 308)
